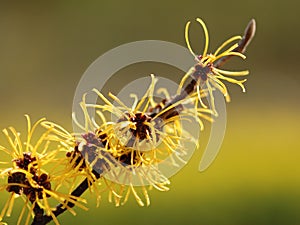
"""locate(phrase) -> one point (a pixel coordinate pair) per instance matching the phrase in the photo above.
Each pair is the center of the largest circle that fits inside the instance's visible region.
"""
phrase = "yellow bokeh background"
(46, 47)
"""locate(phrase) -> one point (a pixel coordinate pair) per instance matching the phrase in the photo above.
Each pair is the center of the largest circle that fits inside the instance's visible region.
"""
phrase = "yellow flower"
(91, 155)
(82, 152)
(206, 74)
(33, 173)
(137, 142)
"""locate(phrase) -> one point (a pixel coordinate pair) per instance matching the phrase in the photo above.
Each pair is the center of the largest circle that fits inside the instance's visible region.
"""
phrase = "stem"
(84, 185)
(38, 212)
(39, 219)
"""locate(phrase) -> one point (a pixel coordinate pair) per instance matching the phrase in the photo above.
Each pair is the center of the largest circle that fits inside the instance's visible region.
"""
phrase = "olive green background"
(45, 47)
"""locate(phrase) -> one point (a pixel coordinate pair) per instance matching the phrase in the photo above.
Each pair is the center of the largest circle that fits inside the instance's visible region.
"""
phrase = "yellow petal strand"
(22, 212)
(206, 36)
(12, 144)
(40, 141)
(102, 117)
(226, 43)
(186, 35)
(76, 121)
(11, 205)
(212, 99)
(166, 109)
(48, 208)
(115, 98)
(199, 96)
(146, 196)
(145, 193)
(232, 54)
(227, 52)
(237, 54)
(138, 199)
(126, 196)
(232, 73)
(163, 91)
(185, 77)
(58, 129)
(18, 140)
(28, 131)
(29, 214)
(147, 93)
(135, 102)
(87, 119)
(6, 151)
(222, 87)
(6, 206)
(209, 111)
(102, 97)
(234, 81)
(208, 118)
(234, 46)
(151, 93)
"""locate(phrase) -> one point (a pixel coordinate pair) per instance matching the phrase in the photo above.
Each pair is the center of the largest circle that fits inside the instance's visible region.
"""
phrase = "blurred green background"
(45, 47)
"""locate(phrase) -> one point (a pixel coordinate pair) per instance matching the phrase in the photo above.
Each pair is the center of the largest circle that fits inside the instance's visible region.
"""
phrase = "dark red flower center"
(18, 181)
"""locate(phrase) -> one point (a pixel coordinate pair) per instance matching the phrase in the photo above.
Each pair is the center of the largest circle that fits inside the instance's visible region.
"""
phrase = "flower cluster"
(122, 154)
(33, 172)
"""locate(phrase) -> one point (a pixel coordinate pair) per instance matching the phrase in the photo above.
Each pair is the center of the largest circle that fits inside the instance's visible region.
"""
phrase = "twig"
(44, 219)
(38, 215)
(188, 89)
